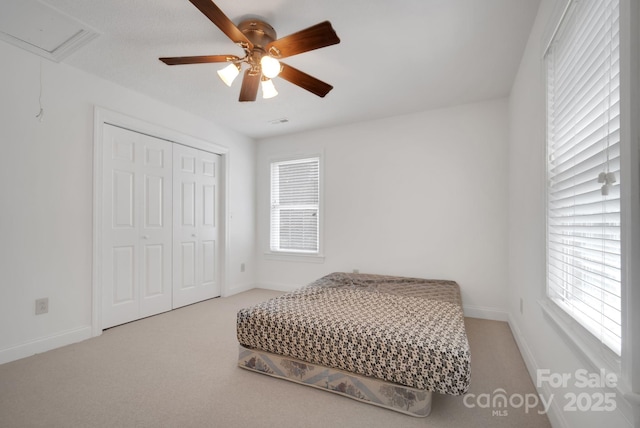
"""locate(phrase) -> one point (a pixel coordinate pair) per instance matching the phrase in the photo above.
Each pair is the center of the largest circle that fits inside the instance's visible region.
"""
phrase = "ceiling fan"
(262, 53)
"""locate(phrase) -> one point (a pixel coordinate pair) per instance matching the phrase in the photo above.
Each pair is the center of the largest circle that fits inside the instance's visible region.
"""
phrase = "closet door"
(137, 226)
(195, 225)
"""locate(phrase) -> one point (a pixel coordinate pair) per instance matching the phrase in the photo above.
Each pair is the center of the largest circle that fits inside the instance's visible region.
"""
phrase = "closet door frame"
(102, 117)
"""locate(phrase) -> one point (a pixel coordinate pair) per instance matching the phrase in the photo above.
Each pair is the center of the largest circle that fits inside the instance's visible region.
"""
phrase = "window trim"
(630, 197)
(292, 256)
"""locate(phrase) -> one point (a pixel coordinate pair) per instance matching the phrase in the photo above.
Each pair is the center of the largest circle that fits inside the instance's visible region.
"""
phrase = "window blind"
(583, 146)
(295, 203)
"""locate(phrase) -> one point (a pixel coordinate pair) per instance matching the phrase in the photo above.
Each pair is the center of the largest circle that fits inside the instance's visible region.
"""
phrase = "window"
(583, 148)
(295, 206)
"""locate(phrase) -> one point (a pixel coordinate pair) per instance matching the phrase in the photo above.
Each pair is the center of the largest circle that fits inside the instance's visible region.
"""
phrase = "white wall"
(541, 343)
(46, 195)
(418, 195)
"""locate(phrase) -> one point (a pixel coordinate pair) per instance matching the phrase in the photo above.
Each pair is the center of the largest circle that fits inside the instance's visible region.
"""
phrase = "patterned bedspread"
(408, 331)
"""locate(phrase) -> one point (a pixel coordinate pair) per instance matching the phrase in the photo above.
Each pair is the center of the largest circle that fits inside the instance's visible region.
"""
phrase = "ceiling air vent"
(279, 121)
(41, 29)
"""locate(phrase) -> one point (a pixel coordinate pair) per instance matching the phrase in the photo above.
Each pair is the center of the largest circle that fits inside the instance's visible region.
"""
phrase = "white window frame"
(577, 278)
(297, 256)
(626, 367)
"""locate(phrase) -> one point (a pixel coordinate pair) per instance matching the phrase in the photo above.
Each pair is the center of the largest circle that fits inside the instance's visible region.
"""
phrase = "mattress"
(406, 331)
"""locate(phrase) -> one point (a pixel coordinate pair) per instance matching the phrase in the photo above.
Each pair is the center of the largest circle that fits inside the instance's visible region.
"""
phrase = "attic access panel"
(41, 29)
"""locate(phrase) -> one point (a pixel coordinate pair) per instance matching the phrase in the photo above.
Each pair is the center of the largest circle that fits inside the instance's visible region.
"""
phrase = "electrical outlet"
(242, 267)
(42, 306)
(521, 306)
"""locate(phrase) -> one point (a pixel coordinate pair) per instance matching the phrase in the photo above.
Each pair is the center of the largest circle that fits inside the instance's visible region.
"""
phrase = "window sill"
(294, 257)
(589, 347)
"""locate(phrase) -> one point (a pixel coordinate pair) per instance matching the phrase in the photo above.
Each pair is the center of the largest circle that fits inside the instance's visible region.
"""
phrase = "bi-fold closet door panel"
(160, 211)
(136, 226)
(195, 225)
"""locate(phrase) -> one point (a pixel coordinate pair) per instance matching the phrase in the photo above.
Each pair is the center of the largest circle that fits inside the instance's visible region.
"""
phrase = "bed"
(385, 340)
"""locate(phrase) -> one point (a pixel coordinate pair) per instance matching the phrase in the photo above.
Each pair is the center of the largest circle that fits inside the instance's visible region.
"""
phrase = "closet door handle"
(145, 236)
(193, 235)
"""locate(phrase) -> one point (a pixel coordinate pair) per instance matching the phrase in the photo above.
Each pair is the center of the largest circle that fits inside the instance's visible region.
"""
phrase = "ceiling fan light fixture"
(268, 89)
(229, 73)
(270, 66)
(263, 51)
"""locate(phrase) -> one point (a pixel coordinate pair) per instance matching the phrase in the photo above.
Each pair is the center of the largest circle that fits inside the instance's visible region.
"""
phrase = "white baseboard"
(44, 344)
(277, 287)
(485, 313)
(554, 414)
(238, 288)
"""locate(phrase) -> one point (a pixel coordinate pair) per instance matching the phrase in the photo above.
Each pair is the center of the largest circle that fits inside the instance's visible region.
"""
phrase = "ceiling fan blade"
(217, 16)
(180, 60)
(305, 81)
(250, 83)
(316, 37)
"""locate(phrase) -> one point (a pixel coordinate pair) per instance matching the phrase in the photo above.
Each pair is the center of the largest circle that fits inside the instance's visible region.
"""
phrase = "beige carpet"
(179, 369)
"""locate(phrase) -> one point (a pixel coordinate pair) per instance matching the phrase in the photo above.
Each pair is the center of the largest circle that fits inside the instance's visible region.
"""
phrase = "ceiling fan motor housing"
(258, 32)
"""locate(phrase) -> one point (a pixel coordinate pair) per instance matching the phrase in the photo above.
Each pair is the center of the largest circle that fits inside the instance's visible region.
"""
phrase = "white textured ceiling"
(395, 56)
